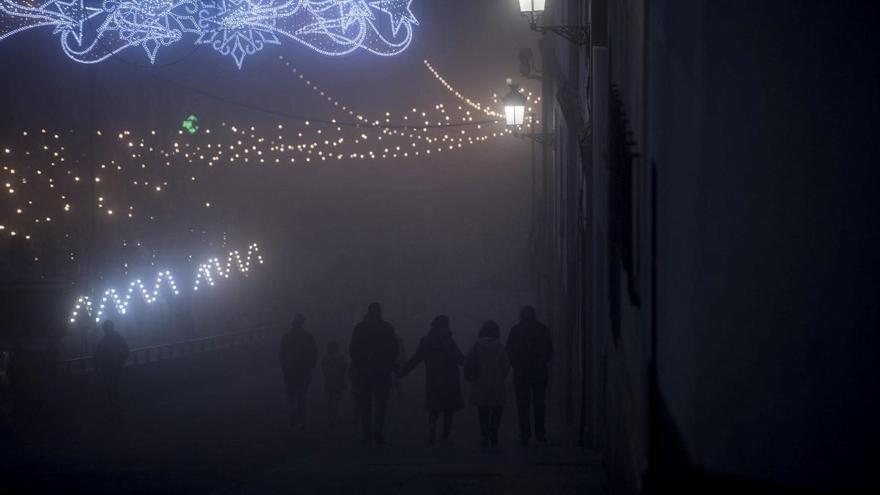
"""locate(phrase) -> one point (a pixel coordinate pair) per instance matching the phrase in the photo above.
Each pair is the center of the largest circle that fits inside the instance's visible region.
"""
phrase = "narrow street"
(183, 432)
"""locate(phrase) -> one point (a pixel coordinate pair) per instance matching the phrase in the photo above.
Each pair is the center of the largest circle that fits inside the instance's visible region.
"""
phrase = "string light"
(206, 271)
(112, 299)
(144, 163)
(236, 28)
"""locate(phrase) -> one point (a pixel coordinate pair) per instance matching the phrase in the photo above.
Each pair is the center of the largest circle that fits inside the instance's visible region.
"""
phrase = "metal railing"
(174, 350)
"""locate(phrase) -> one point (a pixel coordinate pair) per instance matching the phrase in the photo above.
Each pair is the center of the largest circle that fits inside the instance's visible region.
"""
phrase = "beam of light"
(111, 299)
(91, 31)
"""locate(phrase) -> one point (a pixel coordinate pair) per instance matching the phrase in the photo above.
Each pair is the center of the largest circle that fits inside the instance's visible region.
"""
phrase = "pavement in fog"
(231, 437)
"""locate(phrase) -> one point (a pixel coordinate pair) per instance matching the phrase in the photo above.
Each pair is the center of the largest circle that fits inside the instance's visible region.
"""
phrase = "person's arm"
(459, 357)
(413, 361)
(392, 346)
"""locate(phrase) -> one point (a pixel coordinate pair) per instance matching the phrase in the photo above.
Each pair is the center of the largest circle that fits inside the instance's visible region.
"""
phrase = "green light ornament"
(191, 124)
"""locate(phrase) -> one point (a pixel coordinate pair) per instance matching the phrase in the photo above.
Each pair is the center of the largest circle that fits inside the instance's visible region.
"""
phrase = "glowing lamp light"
(514, 105)
(531, 6)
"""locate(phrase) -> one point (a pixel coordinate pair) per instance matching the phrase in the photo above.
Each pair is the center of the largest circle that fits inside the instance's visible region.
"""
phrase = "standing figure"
(489, 359)
(110, 357)
(373, 351)
(298, 356)
(442, 358)
(335, 368)
(530, 349)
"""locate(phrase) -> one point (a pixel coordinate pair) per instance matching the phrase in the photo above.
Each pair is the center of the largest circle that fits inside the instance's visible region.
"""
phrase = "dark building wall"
(737, 138)
(759, 124)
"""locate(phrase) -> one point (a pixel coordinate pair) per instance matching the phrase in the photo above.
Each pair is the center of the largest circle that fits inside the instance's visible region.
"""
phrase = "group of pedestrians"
(375, 353)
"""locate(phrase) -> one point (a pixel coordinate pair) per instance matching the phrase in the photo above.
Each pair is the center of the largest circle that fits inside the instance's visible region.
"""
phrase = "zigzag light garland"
(113, 299)
(92, 31)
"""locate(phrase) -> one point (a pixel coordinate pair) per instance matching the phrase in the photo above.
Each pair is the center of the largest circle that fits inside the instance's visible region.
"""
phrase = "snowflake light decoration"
(91, 31)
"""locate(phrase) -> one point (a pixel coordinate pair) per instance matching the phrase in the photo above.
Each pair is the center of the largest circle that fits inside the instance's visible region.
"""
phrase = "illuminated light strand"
(206, 271)
(120, 303)
(245, 147)
(236, 28)
(483, 108)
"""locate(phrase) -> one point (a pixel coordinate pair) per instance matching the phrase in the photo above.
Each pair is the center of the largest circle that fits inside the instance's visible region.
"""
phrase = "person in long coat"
(298, 356)
(442, 357)
(530, 349)
(488, 390)
(373, 352)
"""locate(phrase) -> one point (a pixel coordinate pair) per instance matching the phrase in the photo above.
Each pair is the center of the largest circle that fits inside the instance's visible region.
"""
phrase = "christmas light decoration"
(206, 271)
(43, 195)
(92, 31)
(111, 299)
(190, 124)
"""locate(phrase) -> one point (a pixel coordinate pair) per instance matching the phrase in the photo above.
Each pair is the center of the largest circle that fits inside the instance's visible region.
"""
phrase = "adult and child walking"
(376, 357)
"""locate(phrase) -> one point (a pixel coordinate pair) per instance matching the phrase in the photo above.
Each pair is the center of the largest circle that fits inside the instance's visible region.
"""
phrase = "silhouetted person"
(530, 349)
(442, 358)
(373, 351)
(299, 355)
(110, 356)
(489, 358)
(335, 368)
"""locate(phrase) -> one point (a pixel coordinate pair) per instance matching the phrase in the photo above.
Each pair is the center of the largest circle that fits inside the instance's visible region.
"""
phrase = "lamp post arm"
(578, 35)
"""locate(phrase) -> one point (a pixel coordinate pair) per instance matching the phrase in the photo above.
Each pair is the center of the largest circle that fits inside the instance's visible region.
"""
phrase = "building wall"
(757, 124)
(727, 248)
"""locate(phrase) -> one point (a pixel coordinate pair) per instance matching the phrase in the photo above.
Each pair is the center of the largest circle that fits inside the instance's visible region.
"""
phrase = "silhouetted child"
(486, 367)
(335, 369)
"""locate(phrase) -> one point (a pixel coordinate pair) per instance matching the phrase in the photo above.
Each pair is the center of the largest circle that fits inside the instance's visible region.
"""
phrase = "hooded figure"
(373, 351)
(442, 358)
(487, 391)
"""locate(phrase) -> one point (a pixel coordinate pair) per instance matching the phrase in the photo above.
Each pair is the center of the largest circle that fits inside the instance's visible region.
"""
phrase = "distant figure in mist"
(486, 367)
(530, 349)
(373, 351)
(299, 355)
(335, 368)
(442, 358)
(110, 356)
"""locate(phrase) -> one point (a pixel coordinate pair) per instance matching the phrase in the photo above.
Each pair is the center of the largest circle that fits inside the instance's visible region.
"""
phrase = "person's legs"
(539, 390)
(301, 395)
(432, 426)
(521, 387)
(364, 405)
(380, 395)
(485, 425)
(111, 383)
(447, 423)
(494, 422)
(333, 405)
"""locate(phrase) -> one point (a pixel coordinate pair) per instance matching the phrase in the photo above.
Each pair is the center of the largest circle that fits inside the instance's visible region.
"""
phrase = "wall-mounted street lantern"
(515, 114)
(514, 105)
(533, 9)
